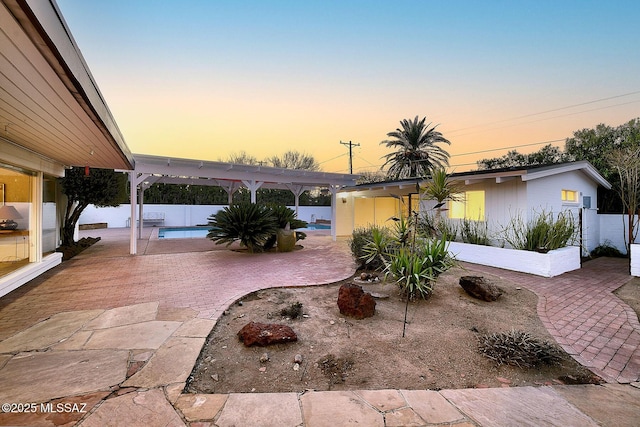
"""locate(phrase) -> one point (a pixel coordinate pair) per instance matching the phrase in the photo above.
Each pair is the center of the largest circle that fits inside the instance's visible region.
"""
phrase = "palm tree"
(416, 150)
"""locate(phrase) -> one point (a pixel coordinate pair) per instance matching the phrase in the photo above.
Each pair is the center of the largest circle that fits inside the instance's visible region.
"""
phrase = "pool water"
(182, 232)
(201, 232)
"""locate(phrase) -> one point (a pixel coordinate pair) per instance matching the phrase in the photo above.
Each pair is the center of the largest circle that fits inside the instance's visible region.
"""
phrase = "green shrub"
(518, 348)
(249, 223)
(543, 233)
(475, 232)
(428, 225)
(292, 311)
(416, 269)
(362, 247)
(606, 249)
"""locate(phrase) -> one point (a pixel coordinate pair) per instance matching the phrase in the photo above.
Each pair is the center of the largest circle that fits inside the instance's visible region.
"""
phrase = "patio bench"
(151, 218)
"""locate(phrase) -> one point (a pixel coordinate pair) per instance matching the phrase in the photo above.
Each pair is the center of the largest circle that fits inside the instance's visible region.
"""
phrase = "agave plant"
(249, 223)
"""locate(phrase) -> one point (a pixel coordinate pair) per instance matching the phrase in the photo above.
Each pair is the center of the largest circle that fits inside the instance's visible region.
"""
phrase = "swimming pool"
(182, 232)
(201, 232)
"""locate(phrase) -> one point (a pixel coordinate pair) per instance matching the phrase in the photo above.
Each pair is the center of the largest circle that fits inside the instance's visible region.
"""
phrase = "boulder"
(480, 288)
(262, 334)
(354, 302)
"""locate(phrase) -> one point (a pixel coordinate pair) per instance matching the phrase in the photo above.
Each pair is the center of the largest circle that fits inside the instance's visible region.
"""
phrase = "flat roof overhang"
(50, 103)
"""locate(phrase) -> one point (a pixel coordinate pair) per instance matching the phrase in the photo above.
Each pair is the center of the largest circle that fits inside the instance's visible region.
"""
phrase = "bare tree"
(294, 160)
(241, 158)
(626, 162)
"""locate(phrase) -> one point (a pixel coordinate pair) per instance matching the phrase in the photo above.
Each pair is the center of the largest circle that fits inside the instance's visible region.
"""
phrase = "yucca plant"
(249, 223)
(378, 245)
(369, 244)
(415, 269)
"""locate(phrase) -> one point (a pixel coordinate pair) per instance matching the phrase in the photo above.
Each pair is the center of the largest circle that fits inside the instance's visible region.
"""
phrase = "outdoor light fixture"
(7, 216)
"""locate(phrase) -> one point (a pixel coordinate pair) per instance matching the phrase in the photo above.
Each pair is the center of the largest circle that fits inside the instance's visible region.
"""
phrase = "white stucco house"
(494, 196)
(52, 116)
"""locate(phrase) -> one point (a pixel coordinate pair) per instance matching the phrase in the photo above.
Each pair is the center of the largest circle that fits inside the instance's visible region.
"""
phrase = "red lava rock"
(354, 302)
(262, 334)
(504, 380)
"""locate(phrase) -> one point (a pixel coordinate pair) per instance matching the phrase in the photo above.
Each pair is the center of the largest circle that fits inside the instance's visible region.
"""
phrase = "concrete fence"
(181, 215)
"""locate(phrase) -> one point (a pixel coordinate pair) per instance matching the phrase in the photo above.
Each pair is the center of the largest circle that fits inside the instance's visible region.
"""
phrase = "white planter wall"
(635, 260)
(550, 264)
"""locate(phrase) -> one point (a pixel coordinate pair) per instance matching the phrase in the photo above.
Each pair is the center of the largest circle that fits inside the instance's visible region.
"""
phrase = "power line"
(554, 110)
(482, 151)
(333, 158)
(507, 148)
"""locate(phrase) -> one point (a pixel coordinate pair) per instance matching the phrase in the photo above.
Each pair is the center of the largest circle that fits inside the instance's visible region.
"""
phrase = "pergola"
(229, 176)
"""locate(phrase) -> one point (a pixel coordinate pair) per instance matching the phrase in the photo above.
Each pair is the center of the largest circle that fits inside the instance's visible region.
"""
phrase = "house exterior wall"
(502, 201)
(344, 214)
(30, 245)
(545, 194)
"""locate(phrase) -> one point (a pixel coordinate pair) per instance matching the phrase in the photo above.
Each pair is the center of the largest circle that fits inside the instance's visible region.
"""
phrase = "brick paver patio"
(171, 295)
(581, 312)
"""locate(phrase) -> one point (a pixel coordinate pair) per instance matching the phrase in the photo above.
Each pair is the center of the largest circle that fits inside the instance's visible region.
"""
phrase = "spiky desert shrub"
(428, 225)
(543, 233)
(606, 249)
(518, 348)
(293, 311)
(416, 268)
(475, 232)
(249, 223)
(360, 244)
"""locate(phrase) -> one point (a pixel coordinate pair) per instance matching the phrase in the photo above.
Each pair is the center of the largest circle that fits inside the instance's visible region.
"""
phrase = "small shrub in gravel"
(292, 311)
(518, 348)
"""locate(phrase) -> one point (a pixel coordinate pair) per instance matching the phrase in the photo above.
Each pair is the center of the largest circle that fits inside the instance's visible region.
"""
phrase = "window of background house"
(570, 196)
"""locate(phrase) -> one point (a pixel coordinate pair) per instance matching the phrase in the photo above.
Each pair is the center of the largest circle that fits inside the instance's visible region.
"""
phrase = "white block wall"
(635, 260)
(180, 215)
(613, 229)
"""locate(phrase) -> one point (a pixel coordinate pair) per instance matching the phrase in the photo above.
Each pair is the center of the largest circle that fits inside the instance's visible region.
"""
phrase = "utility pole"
(350, 145)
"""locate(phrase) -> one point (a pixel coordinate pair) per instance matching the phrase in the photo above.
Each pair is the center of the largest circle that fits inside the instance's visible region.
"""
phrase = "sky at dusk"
(205, 79)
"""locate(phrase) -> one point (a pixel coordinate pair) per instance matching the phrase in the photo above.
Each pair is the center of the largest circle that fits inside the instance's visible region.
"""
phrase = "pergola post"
(140, 209)
(297, 190)
(253, 186)
(334, 191)
(133, 193)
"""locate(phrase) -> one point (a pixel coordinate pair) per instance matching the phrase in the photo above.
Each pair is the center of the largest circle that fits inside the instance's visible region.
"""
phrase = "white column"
(133, 193)
(140, 209)
(334, 226)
